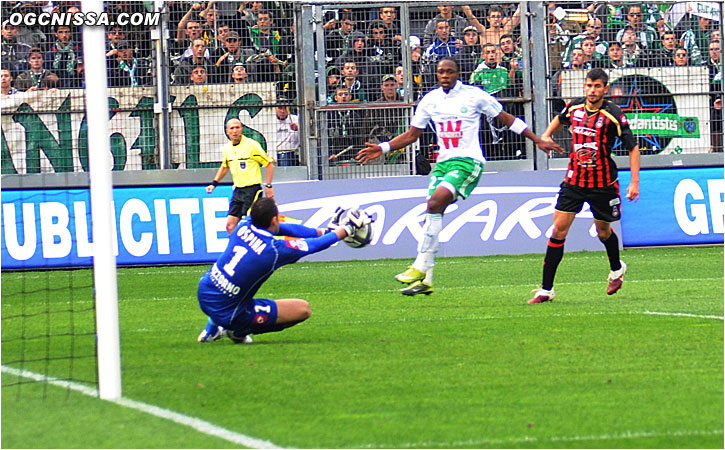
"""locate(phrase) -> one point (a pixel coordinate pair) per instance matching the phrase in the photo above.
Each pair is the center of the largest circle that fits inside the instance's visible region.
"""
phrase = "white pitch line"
(676, 314)
(508, 441)
(192, 422)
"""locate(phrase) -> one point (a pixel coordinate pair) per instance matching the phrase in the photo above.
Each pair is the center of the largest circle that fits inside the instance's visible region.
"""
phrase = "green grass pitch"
(471, 366)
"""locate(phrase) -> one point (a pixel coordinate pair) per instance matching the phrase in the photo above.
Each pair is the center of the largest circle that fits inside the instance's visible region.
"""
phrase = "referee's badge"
(242, 165)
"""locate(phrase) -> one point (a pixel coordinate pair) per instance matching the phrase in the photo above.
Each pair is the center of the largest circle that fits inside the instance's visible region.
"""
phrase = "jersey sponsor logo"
(298, 244)
(584, 131)
(450, 133)
(222, 282)
(586, 154)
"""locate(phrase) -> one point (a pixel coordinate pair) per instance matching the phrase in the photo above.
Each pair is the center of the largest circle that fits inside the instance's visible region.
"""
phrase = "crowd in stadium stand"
(243, 42)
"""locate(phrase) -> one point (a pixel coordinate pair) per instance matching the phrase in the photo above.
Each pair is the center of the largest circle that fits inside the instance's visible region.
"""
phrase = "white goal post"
(101, 190)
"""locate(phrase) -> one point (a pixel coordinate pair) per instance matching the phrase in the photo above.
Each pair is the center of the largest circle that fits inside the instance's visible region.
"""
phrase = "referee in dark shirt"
(591, 177)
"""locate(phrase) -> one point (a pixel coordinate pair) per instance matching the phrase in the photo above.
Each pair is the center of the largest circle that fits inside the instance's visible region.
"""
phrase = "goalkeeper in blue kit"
(226, 291)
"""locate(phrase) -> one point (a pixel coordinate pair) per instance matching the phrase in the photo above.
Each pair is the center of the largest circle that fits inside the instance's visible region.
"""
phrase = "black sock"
(554, 253)
(612, 246)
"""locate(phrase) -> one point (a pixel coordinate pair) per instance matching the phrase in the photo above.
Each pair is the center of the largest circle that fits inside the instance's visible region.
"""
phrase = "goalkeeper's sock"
(211, 327)
(428, 246)
(612, 246)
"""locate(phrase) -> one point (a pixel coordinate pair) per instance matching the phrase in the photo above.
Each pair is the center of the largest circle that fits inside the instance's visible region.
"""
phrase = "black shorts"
(605, 203)
(242, 199)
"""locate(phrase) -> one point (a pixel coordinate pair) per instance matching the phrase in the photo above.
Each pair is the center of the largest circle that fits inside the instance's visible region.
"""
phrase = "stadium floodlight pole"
(103, 217)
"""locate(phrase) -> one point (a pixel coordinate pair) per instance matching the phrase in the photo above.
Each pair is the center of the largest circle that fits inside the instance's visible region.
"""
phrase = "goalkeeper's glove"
(337, 216)
(356, 217)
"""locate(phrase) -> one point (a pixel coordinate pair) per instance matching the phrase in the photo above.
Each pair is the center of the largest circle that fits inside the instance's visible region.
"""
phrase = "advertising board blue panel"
(676, 207)
(508, 213)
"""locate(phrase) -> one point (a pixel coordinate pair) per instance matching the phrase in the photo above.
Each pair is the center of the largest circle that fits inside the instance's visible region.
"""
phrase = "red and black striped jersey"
(594, 133)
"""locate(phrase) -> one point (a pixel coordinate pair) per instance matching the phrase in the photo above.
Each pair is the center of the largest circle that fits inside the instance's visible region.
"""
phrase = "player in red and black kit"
(595, 125)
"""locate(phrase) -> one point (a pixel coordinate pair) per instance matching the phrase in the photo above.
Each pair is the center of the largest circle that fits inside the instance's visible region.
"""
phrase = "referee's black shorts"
(605, 203)
(242, 199)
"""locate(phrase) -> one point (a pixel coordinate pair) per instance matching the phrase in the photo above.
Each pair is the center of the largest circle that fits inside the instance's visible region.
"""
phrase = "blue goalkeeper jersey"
(251, 256)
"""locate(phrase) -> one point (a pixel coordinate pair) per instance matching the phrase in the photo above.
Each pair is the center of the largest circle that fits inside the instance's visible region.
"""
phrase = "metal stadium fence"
(313, 81)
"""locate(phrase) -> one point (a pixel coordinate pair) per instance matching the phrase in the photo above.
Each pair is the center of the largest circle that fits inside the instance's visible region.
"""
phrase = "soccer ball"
(361, 238)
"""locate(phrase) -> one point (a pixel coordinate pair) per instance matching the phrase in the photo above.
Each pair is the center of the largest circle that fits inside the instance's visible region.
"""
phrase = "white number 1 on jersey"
(239, 252)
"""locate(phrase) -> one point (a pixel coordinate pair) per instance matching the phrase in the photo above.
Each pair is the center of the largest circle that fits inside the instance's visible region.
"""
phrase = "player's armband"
(518, 126)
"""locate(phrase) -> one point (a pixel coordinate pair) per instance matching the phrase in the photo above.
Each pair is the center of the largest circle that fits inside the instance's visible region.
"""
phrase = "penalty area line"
(191, 422)
(676, 314)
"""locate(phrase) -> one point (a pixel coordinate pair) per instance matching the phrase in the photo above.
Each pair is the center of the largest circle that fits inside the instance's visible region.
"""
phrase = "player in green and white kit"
(455, 109)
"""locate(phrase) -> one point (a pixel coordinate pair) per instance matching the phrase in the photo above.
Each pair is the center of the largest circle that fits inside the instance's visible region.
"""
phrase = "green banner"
(660, 124)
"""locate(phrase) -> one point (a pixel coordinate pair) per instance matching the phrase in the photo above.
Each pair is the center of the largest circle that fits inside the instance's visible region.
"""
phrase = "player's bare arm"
(633, 188)
(546, 145)
(372, 151)
(554, 127)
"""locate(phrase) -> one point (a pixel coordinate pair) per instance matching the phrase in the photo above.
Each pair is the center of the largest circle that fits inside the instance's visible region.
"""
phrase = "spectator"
(193, 31)
(383, 55)
(338, 42)
(681, 58)
(186, 65)
(6, 83)
(287, 138)
(249, 15)
(578, 60)
(664, 56)
(222, 31)
(509, 50)
(593, 29)
(190, 27)
(645, 34)
(239, 73)
(386, 123)
(388, 16)
(360, 55)
(125, 70)
(351, 82)
(344, 129)
(210, 25)
(422, 76)
(456, 24)
(79, 80)
(632, 53)
(714, 66)
(36, 77)
(470, 53)
(490, 75)
(34, 36)
(198, 75)
(498, 26)
(400, 79)
(589, 49)
(226, 61)
(614, 57)
(14, 53)
(443, 45)
(333, 81)
(696, 38)
(63, 55)
(114, 35)
(266, 43)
